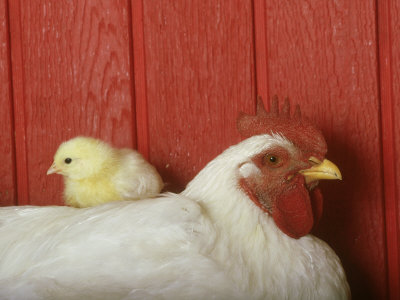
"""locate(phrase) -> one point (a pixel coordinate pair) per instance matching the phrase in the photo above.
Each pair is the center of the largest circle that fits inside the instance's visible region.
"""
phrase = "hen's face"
(283, 181)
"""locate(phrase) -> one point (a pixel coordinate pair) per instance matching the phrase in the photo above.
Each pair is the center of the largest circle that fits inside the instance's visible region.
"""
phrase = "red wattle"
(292, 211)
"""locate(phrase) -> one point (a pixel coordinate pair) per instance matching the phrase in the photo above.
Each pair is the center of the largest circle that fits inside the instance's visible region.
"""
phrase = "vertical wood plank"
(19, 103)
(395, 63)
(7, 166)
(140, 78)
(323, 54)
(200, 74)
(260, 37)
(389, 62)
(72, 69)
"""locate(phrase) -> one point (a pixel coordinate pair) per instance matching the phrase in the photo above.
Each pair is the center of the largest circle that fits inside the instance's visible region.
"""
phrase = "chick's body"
(95, 173)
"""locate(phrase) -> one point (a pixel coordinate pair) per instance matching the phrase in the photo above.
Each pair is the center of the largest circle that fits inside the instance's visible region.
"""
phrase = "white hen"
(227, 236)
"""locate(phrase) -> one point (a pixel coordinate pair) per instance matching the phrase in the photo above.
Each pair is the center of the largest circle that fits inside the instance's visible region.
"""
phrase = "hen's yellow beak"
(321, 170)
(53, 169)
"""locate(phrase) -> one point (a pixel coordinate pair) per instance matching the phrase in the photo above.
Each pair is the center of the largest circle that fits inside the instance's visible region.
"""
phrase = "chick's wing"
(136, 178)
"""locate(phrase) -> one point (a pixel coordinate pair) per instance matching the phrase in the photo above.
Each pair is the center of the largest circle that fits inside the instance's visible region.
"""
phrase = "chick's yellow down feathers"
(96, 173)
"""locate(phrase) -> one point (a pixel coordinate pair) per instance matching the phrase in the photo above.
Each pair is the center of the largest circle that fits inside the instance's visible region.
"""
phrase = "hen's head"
(282, 180)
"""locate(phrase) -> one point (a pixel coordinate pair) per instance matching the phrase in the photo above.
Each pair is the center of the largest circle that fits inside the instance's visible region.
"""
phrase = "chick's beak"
(321, 170)
(53, 169)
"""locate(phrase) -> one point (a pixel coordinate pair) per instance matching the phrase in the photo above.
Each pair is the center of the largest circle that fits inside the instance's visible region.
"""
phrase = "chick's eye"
(272, 159)
(68, 160)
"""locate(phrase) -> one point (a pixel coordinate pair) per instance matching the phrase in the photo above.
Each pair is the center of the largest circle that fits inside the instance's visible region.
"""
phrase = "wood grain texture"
(142, 130)
(7, 166)
(323, 54)
(19, 104)
(200, 74)
(395, 52)
(261, 51)
(76, 78)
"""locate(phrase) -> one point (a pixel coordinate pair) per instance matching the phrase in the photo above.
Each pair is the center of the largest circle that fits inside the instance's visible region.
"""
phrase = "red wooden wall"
(169, 77)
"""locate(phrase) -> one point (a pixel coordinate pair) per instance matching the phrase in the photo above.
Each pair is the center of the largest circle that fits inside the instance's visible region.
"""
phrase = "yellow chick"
(95, 173)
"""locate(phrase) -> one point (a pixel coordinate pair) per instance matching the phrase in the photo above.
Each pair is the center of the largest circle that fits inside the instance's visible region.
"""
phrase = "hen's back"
(147, 249)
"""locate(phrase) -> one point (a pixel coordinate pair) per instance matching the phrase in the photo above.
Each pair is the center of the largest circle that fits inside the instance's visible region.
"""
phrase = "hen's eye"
(68, 160)
(271, 159)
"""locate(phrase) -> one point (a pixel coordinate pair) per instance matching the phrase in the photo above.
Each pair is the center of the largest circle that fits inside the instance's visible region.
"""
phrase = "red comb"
(299, 130)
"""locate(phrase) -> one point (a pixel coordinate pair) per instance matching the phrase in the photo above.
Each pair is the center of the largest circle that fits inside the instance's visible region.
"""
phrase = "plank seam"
(11, 112)
(139, 63)
(17, 83)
